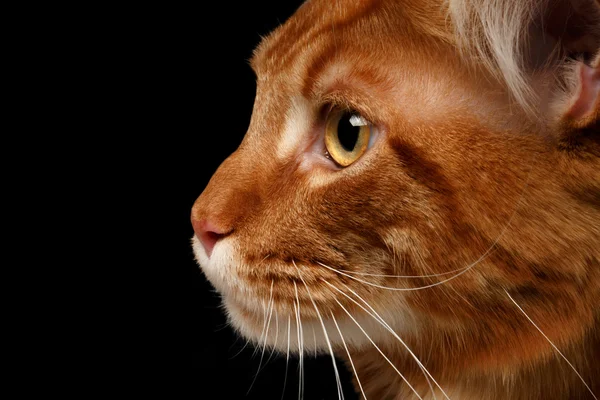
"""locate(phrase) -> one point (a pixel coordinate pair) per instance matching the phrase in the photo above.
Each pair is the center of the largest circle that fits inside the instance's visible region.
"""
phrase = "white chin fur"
(283, 330)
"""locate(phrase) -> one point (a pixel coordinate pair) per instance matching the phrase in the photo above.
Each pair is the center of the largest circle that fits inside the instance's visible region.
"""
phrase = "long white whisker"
(378, 349)
(276, 337)
(405, 276)
(349, 356)
(337, 375)
(299, 361)
(552, 344)
(270, 307)
(380, 319)
(417, 288)
(460, 271)
(300, 344)
(287, 359)
(265, 314)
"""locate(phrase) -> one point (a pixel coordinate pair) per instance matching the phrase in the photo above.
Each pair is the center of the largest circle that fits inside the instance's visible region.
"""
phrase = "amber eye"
(347, 136)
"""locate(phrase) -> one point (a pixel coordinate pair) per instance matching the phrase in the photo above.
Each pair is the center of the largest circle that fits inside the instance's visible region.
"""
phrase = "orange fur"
(458, 172)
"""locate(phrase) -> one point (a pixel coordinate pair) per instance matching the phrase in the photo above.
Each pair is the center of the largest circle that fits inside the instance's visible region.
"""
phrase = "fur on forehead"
(517, 44)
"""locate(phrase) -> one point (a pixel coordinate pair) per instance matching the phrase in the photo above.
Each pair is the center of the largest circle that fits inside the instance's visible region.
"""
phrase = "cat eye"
(347, 136)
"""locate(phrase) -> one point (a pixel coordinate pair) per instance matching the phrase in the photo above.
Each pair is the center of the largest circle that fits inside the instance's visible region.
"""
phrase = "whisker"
(276, 337)
(378, 349)
(459, 271)
(287, 359)
(405, 276)
(300, 345)
(270, 307)
(337, 375)
(221, 327)
(234, 343)
(299, 361)
(266, 311)
(242, 349)
(349, 357)
(464, 270)
(380, 319)
(552, 344)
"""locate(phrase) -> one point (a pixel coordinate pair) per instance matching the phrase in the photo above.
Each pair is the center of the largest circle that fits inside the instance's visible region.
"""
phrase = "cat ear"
(582, 108)
(545, 51)
(575, 27)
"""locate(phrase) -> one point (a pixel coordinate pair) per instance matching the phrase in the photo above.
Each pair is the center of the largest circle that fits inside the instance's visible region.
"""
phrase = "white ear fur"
(531, 46)
(580, 108)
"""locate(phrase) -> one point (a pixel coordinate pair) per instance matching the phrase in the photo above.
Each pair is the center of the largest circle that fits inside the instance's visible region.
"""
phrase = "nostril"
(209, 239)
(208, 233)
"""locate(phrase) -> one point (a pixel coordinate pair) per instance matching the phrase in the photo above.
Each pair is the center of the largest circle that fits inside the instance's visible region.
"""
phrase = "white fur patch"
(220, 267)
(297, 126)
(309, 337)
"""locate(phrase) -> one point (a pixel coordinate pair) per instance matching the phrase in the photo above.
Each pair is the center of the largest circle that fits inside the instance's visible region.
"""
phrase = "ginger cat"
(418, 193)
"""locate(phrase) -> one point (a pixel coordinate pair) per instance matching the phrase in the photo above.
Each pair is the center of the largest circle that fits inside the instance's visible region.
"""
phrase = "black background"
(137, 106)
(196, 91)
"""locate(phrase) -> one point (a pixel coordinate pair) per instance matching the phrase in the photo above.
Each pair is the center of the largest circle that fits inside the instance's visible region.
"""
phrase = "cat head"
(407, 163)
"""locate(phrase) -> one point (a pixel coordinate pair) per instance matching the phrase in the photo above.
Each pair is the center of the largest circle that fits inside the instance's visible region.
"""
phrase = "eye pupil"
(347, 133)
(347, 136)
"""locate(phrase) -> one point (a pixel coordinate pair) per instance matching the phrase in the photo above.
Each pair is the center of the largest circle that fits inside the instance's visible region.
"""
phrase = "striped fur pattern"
(459, 257)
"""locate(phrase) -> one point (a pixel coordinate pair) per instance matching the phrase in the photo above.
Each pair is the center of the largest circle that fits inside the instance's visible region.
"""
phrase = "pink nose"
(208, 233)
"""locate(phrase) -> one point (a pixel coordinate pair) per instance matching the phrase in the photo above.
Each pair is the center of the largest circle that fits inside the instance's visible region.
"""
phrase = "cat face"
(383, 178)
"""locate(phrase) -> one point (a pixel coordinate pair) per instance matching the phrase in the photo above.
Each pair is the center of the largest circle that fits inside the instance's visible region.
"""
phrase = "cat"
(418, 194)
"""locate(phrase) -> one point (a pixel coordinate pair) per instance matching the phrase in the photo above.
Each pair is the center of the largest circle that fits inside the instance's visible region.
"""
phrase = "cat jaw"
(274, 326)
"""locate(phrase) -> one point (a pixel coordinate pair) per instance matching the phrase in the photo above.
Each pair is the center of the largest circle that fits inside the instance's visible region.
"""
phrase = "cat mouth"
(271, 303)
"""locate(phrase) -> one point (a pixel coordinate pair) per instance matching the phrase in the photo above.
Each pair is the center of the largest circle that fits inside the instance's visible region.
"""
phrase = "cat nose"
(208, 233)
